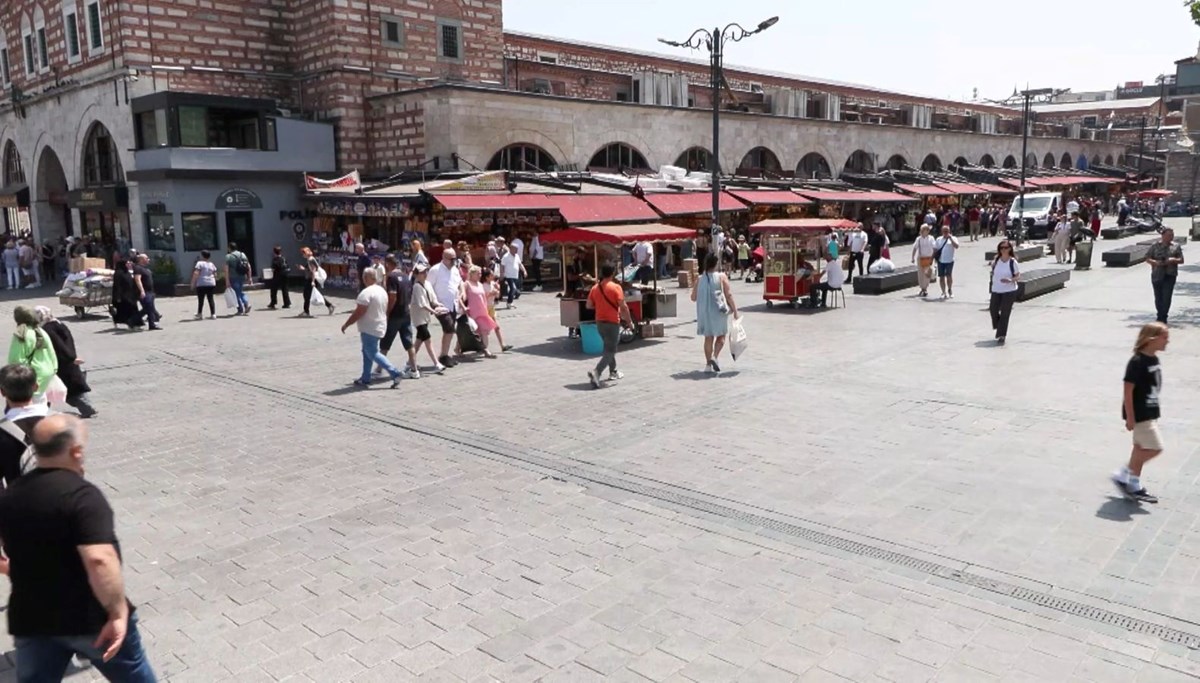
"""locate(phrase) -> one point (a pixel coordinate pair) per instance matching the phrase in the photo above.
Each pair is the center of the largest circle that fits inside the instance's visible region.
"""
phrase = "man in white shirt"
(512, 267)
(536, 255)
(832, 279)
(944, 249)
(371, 318)
(857, 241)
(446, 280)
(643, 256)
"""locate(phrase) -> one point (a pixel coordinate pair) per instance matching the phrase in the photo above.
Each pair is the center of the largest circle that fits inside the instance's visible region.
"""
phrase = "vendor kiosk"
(645, 302)
(793, 255)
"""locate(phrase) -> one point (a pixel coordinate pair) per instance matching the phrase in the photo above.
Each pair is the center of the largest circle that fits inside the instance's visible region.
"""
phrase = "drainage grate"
(692, 502)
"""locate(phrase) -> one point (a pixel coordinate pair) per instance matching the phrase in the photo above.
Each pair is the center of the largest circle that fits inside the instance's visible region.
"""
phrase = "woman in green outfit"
(31, 346)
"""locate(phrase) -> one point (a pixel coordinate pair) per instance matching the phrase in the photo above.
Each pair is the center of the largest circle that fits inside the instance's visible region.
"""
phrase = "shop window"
(27, 44)
(95, 33)
(14, 173)
(449, 40)
(199, 231)
(619, 156)
(391, 31)
(101, 164)
(152, 129)
(71, 33)
(160, 232)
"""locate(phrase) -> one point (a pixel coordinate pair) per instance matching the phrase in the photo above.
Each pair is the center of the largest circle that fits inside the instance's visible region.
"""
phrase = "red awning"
(962, 188)
(996, 189)
(770, 197)
(1154, 194)
(494, 202)
(590, 209)
(1088, 180)
(687, 203)
(847, 196)
(924, 190)
(791, 226)
(618, 234)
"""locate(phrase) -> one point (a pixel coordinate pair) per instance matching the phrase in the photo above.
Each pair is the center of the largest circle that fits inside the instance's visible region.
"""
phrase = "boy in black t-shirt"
(1140, 409)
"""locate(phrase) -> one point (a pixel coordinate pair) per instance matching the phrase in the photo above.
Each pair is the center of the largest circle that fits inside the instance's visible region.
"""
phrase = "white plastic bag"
(320, 276)
(316, 299)
(230, 298)
(56, 391)
(737, 338)
(882, 266)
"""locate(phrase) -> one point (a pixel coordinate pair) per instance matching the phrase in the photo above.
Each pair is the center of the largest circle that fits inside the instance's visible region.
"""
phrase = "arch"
(959, 162)
(1048, 161)
(618, 156)
(759, 161)
(1010, 161)
(1121, 160)
(101, 160)
(1066, 160)
(1109, 160)
(931, 163)
(813, 166)
(859, 162)
(522, 156)
(987, 161)
(896, 162)
(1031, 160)
(53, 217)
(1095, 159)
(694, 159)
(13, 169)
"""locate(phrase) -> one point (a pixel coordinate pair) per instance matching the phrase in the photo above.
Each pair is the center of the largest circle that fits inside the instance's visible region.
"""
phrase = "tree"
(1194, 7)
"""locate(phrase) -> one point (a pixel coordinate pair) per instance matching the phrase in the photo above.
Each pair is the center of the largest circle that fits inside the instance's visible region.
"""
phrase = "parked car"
(1038, 210)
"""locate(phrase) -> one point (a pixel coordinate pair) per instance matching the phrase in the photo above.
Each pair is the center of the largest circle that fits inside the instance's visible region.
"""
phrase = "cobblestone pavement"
(876, 493)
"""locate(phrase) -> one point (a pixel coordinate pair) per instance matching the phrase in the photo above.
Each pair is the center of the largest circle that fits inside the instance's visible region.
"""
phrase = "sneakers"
(1000, 341)
(414, 374)
(331, 308)
(593, 379)
(198, 316)
(439, 368)
(447, 362)
(212, 316)
(1142, 496)
(615, 375)
(395, 382)
(713, 367)
(362, 384)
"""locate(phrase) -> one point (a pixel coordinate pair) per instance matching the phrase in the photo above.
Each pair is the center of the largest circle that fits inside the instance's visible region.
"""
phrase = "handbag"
(719, 296)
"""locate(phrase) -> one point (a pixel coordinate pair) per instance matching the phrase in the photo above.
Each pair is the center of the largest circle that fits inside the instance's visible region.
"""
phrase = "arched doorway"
(1048, 161)
(1094, 161)
(1066, 160)
(1031, 160)
(694, 159)
(859, 162)
(759, 162)
(53, 214)
(618, 156)
(896, 162)
(15, 190)
(1108, 159)
(987, 161)
(104, 203)
(931, 163)
(813, 166)
(1121, 160)
(522, 157)
(959, 162)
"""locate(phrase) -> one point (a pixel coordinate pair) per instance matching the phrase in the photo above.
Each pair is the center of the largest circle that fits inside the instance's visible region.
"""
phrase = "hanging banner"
(488, 181)
(347, 183)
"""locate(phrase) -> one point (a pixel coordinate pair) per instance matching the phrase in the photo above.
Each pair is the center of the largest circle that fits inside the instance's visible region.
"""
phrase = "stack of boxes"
(689, 273)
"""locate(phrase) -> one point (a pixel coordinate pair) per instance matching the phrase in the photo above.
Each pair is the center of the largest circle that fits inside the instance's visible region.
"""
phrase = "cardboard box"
(685, 279)
(653, 330)
(691, 265)
(82, 263)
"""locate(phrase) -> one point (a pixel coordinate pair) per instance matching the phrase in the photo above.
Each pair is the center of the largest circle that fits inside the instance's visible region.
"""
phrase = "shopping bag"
(230, 298)
(56, 391)
(316, 299)
(320, 276)
(737, 336)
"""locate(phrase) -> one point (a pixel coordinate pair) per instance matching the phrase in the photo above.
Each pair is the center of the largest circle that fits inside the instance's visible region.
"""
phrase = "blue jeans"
(45, 659)
(372, 357)
(237, 284)
(513, 285)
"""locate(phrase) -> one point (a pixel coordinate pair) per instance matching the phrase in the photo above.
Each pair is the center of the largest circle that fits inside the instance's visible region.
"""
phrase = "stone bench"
(882, 283)
(1116, 233)
(1123, 257)
(1042, 281)
(1179, 239)
(1028, 252)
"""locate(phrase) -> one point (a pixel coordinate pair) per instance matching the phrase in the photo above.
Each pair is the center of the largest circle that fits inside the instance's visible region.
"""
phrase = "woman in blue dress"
(714, 305)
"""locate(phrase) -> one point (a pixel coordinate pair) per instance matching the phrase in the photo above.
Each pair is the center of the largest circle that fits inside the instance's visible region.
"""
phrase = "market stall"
(792, 255)
(646, 303)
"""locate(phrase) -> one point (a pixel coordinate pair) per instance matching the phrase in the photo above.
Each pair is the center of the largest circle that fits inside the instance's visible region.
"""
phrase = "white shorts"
(1146, 435)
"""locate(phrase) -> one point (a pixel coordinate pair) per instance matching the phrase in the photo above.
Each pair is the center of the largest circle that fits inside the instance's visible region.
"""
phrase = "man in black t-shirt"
(64, 562)
(361, 262)
(144, 276)
(399, 320)
(1140, 409)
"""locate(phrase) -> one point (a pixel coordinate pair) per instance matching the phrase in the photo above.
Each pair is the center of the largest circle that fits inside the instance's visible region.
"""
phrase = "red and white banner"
(347, 183)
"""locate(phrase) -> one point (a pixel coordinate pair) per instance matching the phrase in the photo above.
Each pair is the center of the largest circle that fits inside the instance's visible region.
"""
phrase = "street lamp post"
(714, 41)
(1026, 110)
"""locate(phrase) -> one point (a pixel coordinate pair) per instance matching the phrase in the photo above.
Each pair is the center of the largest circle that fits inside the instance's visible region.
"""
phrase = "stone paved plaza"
(876, 493)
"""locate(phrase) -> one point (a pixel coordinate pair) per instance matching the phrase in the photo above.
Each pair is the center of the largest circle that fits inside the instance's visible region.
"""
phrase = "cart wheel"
(81, 312)
(770, 304)
(795, 305)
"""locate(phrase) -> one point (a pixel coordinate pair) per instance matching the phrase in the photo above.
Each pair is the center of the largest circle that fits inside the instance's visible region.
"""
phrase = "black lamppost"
(714, 41)
(1026, 111)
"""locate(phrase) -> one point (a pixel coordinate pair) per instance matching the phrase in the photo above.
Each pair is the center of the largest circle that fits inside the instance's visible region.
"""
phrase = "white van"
(1038, 207)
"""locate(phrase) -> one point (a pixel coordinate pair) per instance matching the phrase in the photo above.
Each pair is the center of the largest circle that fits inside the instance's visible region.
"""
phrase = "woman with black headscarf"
(125, 295)
(69, 364)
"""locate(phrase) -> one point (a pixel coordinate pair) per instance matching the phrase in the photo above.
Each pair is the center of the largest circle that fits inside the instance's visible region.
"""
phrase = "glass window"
(193, 129)
(72, 25)
(199, 231)
(392, 32)
(43, 50)
(160, 231)
(27, 40)
(152, 129)
(101, 163)
(95, 37)
(209, 127)
(14, 173)
(5, 74)
(271, 144)
(449, 39)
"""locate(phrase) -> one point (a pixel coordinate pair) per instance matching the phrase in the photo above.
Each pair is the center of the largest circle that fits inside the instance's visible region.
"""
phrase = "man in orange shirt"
(607, 298)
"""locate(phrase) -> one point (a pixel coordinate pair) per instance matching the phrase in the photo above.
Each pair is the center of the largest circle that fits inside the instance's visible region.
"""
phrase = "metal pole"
(1141, 150)
(1024, 155)
(714, 162)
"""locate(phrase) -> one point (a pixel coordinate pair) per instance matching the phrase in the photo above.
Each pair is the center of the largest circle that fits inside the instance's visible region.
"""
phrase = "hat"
(500, 238)
(420, 268)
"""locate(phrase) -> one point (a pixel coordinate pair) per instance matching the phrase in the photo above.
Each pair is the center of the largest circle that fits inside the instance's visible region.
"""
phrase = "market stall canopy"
(963, 188)
(995, 189)
(688, 203)
(770, 197)
(619, 234)
(585, 209)
(1154, 194)
(849, 196)
(924, 190)
(787, 226)
(494, 202)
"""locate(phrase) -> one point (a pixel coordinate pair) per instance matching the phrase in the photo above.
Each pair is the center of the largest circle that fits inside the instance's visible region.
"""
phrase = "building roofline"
(754, 71)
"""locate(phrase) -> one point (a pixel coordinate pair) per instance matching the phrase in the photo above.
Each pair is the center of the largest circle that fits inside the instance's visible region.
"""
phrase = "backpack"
(28, 457)
(242, 265)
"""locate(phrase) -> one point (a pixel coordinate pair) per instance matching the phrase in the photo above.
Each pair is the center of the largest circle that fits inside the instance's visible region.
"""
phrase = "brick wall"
(397, 130)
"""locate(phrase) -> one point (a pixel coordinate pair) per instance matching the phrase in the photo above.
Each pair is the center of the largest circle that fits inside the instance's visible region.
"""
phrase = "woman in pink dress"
(474, 297)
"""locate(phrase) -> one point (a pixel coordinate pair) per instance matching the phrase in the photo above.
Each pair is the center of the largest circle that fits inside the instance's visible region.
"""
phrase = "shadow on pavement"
(569, 349)
(1188, 317)
(987, 344)
(698, 375)
(1120, 510)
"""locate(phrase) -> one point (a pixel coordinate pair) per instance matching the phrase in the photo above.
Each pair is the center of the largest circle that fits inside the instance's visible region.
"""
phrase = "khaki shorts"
(1145, 435)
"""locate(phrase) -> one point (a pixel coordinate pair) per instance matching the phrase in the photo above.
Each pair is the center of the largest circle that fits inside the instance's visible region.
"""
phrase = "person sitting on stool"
(832, 279)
